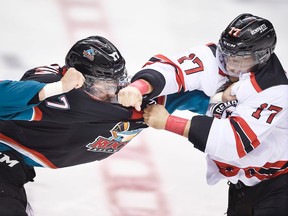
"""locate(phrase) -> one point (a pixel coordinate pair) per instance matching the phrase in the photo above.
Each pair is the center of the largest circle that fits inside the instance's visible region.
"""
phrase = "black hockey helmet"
(248, 35)
(96, 56)
(101, 63)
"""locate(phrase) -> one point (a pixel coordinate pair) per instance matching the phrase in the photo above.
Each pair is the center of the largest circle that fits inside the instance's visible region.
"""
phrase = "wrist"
(142, 85)
(176, 124)
(216, 98)
(52, 89)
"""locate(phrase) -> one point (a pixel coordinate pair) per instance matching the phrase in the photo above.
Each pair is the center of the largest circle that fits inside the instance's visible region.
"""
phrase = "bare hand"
(130, 96)
(72, 79)
(227, 96)
(156, 116)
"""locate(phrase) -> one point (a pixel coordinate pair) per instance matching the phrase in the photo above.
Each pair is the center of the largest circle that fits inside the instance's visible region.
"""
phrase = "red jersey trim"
(246, 139)
(162, 100)
(136, 114)
(37, 114)
(268, 171)
(254, 82)
(32, 154)
(222, 73)
(180, 78)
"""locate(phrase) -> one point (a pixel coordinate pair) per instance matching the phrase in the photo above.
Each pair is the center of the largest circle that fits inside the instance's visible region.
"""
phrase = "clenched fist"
(72, 79)
(156, 116)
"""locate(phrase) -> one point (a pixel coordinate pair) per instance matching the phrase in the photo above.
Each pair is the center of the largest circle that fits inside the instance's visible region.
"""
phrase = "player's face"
(239, 64)
(100, 88)
(234, 64)
(104, 90)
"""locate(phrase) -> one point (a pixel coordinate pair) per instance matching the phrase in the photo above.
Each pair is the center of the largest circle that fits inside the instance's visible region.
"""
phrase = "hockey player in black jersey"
(77, 127)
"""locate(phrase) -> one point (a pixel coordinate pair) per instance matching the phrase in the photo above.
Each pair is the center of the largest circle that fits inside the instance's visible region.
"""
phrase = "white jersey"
(251, 144)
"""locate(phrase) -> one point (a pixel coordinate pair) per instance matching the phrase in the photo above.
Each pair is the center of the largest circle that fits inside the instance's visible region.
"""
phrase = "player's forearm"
(178, 125)
(72, 79)
(158, 117)
(187, 128)
(50, 89)
(196, 130)
(143, 86)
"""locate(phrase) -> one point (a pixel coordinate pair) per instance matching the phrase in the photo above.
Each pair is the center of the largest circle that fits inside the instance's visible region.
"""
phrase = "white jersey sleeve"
(195, 69)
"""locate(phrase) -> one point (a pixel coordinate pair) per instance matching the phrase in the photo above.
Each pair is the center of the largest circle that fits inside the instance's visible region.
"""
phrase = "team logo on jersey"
(223, 109)
(90, 53)
(120, 136)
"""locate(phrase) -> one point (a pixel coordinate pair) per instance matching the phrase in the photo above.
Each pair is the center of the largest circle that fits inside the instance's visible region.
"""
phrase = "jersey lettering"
(6, 159)
(196, 61)
(63, 103)
(102, 144)
(274, 109)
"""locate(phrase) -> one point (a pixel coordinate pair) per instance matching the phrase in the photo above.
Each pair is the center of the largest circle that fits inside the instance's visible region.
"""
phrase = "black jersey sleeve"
(199, 131)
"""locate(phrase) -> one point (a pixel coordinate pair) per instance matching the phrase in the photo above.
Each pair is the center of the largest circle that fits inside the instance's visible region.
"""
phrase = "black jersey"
(54, 145)
(72, 128)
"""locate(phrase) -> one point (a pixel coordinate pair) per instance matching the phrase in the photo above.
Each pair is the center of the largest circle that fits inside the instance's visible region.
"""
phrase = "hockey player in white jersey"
(249, 148)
